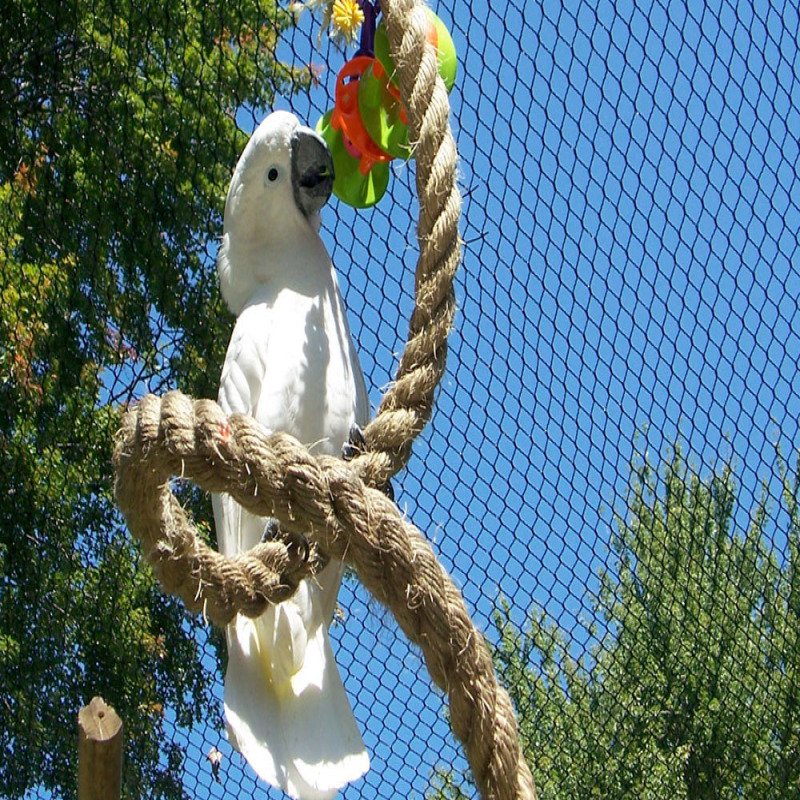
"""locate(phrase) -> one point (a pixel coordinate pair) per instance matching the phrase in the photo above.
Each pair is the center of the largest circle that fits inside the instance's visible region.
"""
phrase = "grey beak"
(312, 171)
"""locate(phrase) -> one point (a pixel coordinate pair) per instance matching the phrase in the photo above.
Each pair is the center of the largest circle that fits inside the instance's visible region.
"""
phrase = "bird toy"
(368, 125)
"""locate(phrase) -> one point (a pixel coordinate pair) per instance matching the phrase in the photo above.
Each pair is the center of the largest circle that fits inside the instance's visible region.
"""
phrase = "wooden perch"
(100, 739)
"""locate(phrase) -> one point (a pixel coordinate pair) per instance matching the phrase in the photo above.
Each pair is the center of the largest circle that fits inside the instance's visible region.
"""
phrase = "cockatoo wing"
(243, 373)
(285, 704)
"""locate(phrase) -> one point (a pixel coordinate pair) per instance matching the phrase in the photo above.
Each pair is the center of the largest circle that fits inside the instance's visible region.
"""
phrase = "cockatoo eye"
(273, 173)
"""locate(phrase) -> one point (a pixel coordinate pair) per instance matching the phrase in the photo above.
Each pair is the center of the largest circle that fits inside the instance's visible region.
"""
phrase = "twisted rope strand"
(408, 404)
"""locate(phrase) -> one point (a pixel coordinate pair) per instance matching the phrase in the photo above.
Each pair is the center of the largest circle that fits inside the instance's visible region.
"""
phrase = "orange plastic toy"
(346, 116)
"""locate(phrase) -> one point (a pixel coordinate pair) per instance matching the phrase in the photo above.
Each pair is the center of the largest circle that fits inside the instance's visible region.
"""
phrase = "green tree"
(117, 138)
(692, 692)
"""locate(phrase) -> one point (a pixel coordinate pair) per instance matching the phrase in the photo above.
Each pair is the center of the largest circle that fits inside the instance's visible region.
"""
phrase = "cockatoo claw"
(293, 541)
(298, 542)
(272, 531)
(355, 444)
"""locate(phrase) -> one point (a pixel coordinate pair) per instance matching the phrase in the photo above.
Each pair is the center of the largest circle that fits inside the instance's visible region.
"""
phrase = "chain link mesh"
(609, 474)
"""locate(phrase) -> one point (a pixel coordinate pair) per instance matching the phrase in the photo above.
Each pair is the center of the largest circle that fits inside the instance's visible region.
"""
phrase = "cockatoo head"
(283, 178)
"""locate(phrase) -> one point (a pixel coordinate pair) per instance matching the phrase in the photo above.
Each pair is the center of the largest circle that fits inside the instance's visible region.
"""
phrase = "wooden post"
(100, 739)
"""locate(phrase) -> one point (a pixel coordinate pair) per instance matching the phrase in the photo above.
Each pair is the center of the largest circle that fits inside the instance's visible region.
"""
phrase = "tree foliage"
(117, 138)
(692, 690)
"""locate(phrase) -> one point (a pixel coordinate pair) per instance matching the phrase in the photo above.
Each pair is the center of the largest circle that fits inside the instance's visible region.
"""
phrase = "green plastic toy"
(383, 114)
(350, 185)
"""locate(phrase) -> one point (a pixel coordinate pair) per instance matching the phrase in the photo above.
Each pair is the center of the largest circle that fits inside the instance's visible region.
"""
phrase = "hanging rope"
(323, 500)
(406, 407)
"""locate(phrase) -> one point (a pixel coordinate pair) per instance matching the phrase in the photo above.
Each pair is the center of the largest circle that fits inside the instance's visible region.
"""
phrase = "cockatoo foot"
(293, 541)
(357, 444)
(272, 531)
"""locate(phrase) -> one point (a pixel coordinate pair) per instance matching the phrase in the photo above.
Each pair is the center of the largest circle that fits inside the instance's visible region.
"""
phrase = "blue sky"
(632, 219)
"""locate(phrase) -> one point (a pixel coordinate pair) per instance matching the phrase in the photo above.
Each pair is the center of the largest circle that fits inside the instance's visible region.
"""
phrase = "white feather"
(292, 365)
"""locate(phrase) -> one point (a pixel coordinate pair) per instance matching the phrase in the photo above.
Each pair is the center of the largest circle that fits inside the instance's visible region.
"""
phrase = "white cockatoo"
(292, 365)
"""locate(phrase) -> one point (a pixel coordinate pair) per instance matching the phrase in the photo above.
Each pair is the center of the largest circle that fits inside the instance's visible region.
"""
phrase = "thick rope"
(407, 406)
(323, 504)
(185, 566)
(323, 498)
